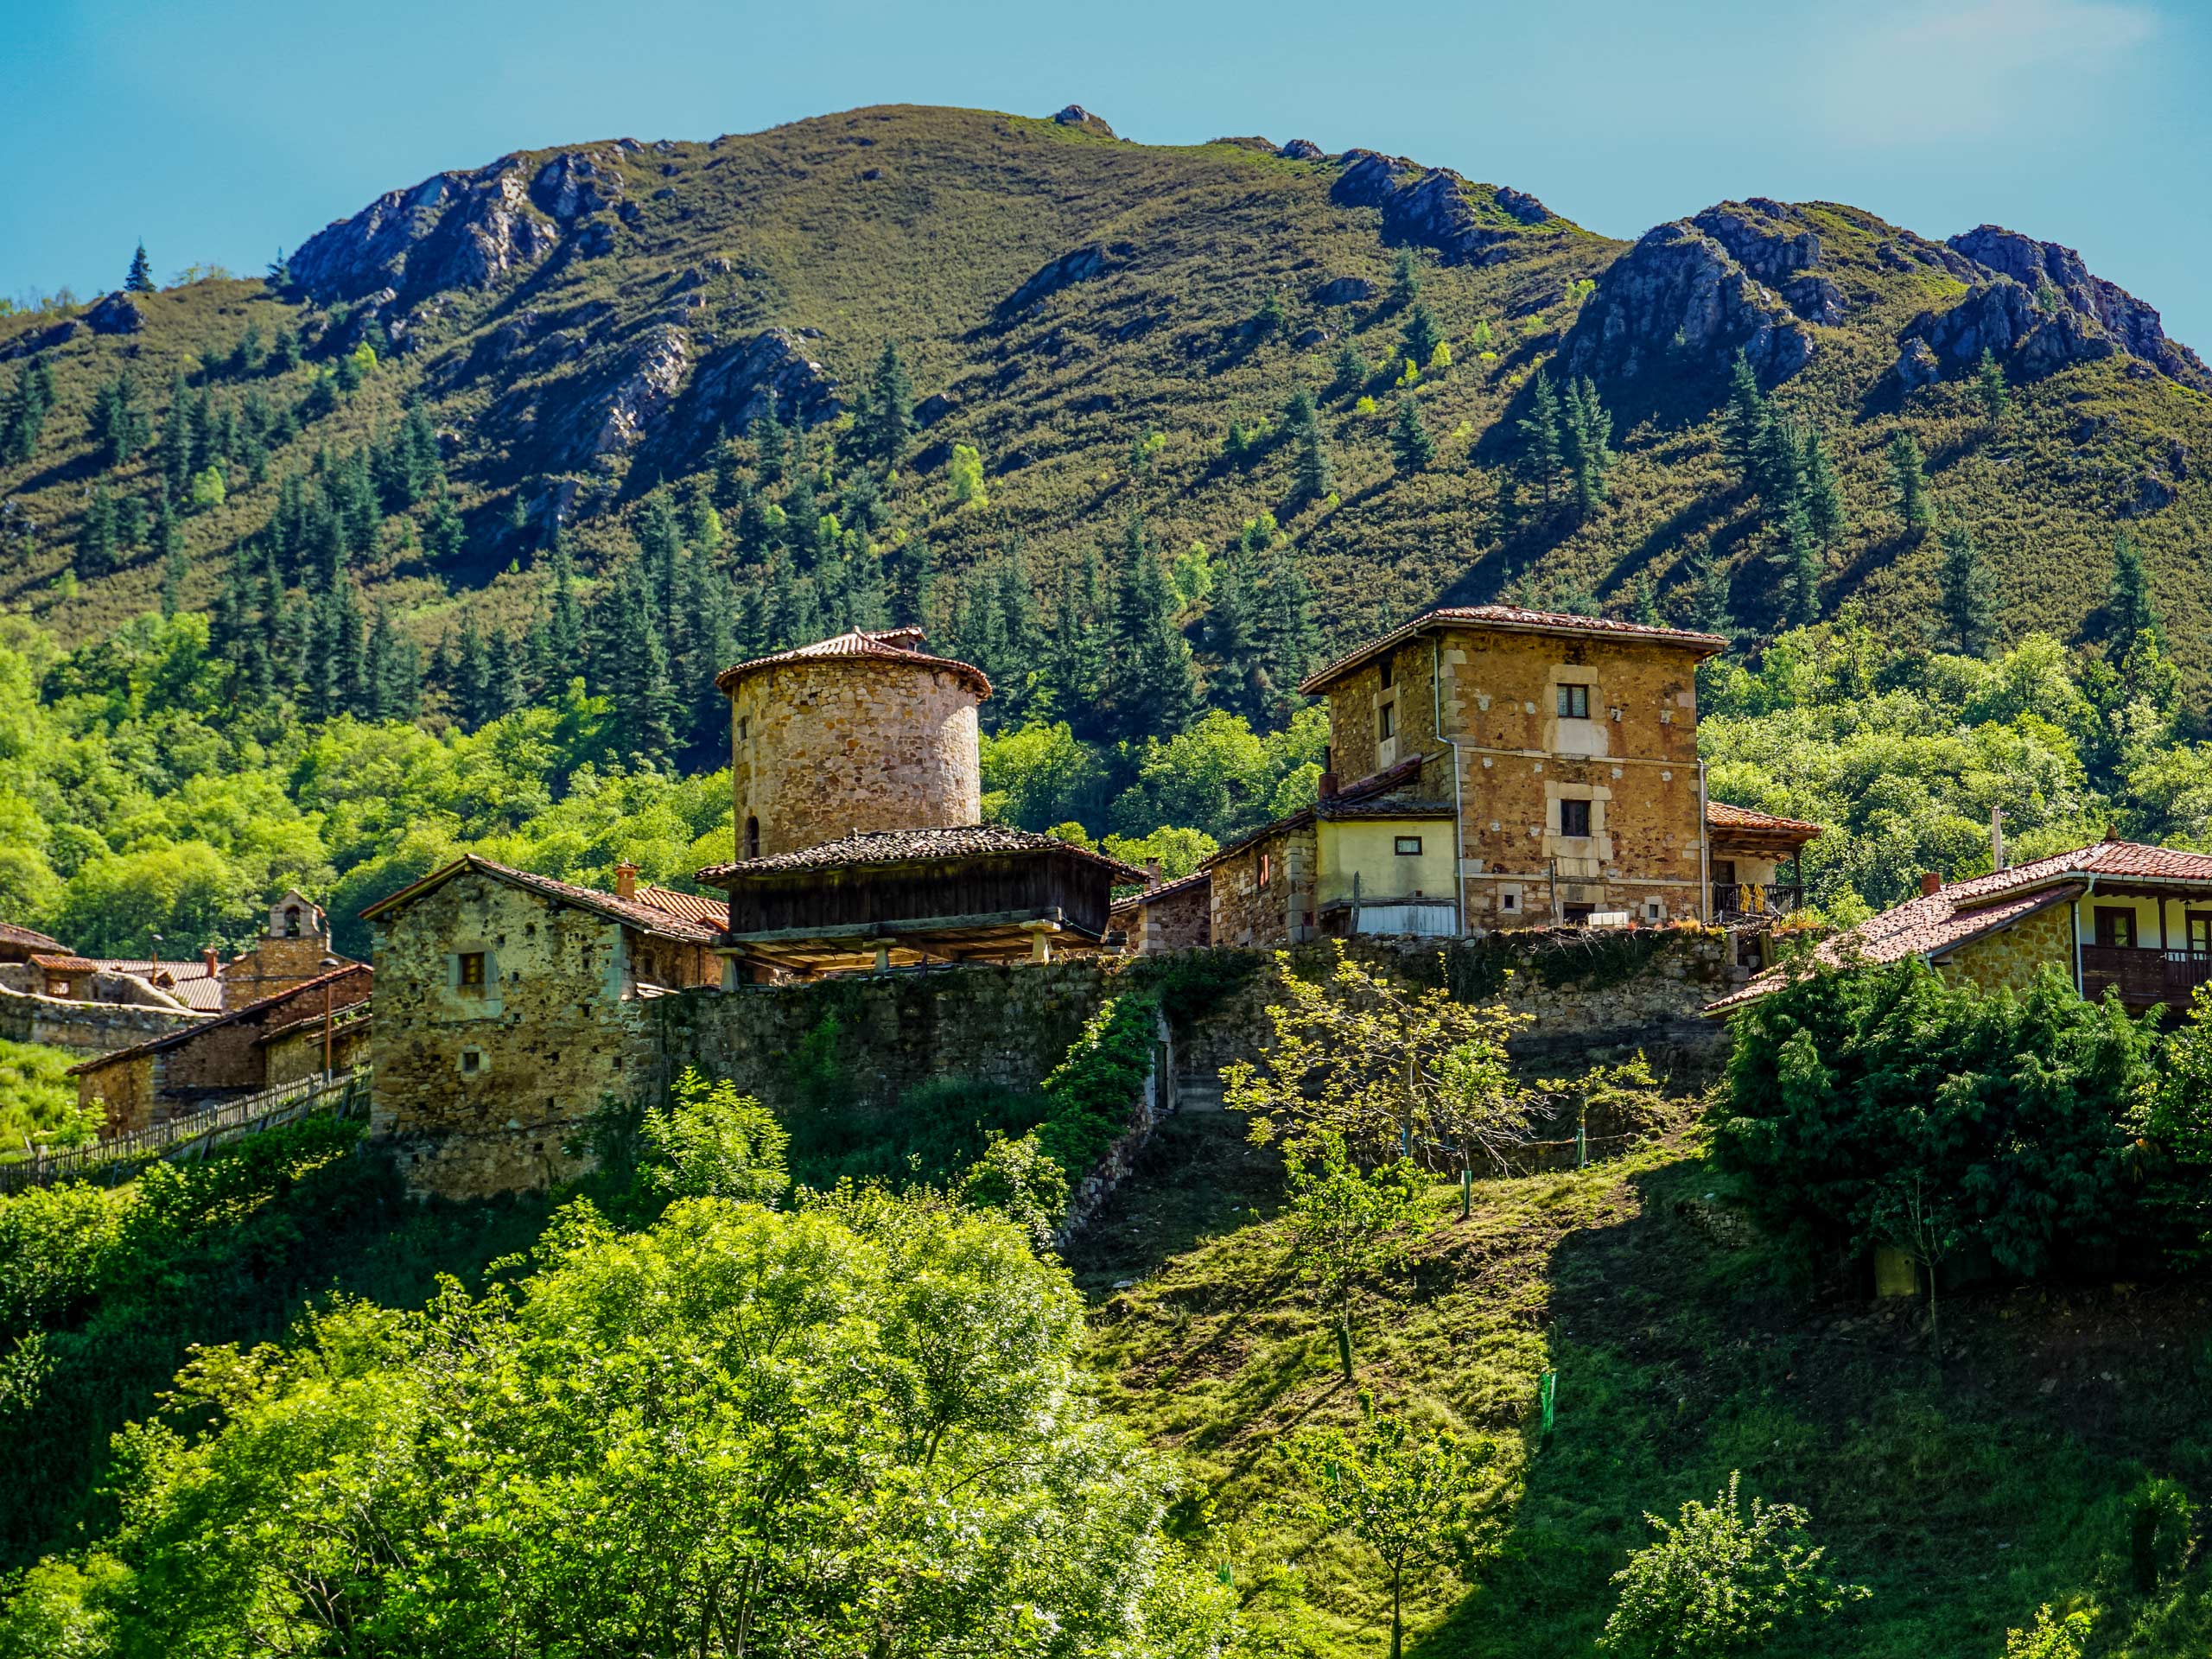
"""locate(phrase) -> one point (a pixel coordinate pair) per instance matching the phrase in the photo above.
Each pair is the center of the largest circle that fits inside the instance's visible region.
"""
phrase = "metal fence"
(195, 1133)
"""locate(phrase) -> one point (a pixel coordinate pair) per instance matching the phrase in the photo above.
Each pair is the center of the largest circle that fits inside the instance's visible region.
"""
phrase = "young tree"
(1420, 337)
(1543, 439)
(1315, 478)
(1346, 1225)
(890, 408)
(1351, 369)
(1822, 495)
(1588, 431)
(1744, 424)
(1720, 1582)
(1405, 279)
(965, 472)
(1969, 595)
(26, 414)
(1910, 1213)
(96, 536)
(1909, 480)
(1989, 388)
(2128, 609)
(1408, 1495)
(710, 1142)
(2051, 1638)
(1410, 439)
(140, 278)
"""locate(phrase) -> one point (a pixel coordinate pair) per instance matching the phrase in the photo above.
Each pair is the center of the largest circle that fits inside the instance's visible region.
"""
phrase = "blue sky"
(221, 130)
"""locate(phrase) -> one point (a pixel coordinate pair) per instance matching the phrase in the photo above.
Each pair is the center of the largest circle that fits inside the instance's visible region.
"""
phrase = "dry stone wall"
(84, 1028)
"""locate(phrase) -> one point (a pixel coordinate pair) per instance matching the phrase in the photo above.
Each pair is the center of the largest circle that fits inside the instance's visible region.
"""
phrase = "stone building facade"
(514, 1005)
(851, 736)
(292, 951)
(1171, 916)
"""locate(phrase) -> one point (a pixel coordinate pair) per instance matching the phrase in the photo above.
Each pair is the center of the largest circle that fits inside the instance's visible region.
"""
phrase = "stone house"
(2114, 916)
(292, 951)
(1167, 916)
(512, 1005)
(211, 1060)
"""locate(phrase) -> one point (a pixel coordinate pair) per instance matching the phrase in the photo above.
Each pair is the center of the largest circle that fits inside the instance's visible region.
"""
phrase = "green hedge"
(1092, 1091)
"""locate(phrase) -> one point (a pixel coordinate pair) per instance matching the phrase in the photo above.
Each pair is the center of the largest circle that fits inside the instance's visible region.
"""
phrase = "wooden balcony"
(2143, 977)
(1747, 903)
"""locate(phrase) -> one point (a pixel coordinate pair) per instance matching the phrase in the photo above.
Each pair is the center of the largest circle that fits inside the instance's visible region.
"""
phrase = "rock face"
(1344, 290)
(455, 231)
(1775, 242)
(117, 314)
(1081, 264)
(769, 372)
(1076, 115)
(1679, 294)
(2074, 316)
(1300, 149)
(1437, 208)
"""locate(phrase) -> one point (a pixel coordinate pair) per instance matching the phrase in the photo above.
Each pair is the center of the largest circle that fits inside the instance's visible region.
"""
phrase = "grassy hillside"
(922, 224)
(1964, 1495)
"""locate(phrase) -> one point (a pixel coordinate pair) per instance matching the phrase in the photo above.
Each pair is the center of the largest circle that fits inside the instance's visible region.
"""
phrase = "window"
(1654, 910)
(2116, 927)
(1579, 915)
(472, 972)
(1574, 703)
(1407, 847)
(1387, 727)
(292, 922)
(1389, 672)
(743, 728)
(472, 1061)
(1267, 868)
(1508, 901)
(2200, 932)
(1574, 818)
(753, 837)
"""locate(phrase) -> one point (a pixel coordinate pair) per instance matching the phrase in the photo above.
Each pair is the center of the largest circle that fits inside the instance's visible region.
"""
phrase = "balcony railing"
(2143, 977)
(1749, 901)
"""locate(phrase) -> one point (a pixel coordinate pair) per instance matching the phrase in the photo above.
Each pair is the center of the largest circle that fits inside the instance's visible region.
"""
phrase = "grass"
(1965, 1496)
(915, 224)
(35, 1098)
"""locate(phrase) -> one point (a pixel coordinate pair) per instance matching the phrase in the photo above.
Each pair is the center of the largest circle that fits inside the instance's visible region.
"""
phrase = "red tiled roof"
(911, 846)
(262, 1005)
(1955, 915)
(708, 909)
(62, 963)
(189, 983)
(649, 918)
(884, 645)
(12, 934)
(1513, 619)
(1722, 816)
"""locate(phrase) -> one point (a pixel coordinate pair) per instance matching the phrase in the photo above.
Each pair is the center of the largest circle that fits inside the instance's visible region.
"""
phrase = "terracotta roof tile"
(12, 934)
(1199, 878)
(910, 847)
(260, 1006)
(884, 645)
(1723, 816)
(650, 918)
(1954, 915)
(1513, 619)
(189, 983)
(62, 963)
(708, 909)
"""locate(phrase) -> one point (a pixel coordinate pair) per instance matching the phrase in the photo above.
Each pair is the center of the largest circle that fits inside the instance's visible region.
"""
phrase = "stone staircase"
(1199, 1093)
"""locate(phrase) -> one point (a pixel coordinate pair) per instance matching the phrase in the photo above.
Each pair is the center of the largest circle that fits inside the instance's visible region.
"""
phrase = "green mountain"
(1099, 320)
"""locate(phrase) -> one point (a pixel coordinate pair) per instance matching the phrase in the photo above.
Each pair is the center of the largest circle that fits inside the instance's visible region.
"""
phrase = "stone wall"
(1262, 895)
(824, 748)
(85, 1028)
(1179, 917)
(2013, 957)
(477, 1093)
(274, 963)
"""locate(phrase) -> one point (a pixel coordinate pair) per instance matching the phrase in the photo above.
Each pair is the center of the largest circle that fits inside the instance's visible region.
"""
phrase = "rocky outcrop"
(622, 402)
(1918, 365)
(1302, 150)
(1082, 264)
(575, 183)
(2076, 315)
(769, 373)
(1344, 290)
(1076, 115)
(1777, 244)
(1467, 224)
(1679, 296)
(117, 314)
(454, 230)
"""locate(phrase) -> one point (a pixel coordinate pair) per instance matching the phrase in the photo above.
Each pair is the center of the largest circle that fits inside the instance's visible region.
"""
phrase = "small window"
(1724, 872)
(472, 1061)
(1574, 818)
(753, 837)
(1388, 727)
(292, 922)
(1654, 910)
(1389, 672)
(472, 972)
(1509, 901)
(2116, 927)
(1574, 703)
(743, 728)
(1408, 847)
(1267, 868)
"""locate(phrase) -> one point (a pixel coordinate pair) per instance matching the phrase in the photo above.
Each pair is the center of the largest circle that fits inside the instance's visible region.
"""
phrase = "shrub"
(1090, 1094)
(1018, 1180)
(2048, 1637)
(1720, 1581)
(1850, 1087)
(710, 1141)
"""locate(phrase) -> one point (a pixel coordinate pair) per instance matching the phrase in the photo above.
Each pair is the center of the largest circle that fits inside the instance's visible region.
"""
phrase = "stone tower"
(861, 732)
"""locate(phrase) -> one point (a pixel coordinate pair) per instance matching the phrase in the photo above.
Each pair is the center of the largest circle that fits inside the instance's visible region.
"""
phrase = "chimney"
(625, 881)
(1151, 873)
(208, 955)
(1996, 837)
(1931, 884)
(1328, 785)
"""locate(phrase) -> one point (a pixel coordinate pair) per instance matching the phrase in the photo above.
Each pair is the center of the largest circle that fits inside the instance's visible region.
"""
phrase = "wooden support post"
(882, 955)
(1040, 945)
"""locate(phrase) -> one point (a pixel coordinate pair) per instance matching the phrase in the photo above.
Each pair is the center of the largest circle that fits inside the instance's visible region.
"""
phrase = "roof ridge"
(1510, 617)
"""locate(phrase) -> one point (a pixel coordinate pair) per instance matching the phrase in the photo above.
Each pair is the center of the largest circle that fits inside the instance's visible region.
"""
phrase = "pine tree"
(1588, 431)
(890, 408)
(472, 676)
(141, 279)
(175, 454)
(1989, 387)
(916, 579)
(1409, 441)
(1351, 369)
(2128, 609)
(1969, 595)
(130, 524)
(1405, 279)
(1823, 496)
(1714, 581)
(1071, 686)
(1745, 423)
(1777, 471)
(802, 513)
(1799, 556)
(1543, 439)
(1643, 603)
(1420, 337)
(770, 446)
(168, 550)
(728, 475)
(503, 692)
(1154, 684)
(285, 354)
(96, 536)
(660, 545)
(26, 416)
(1316, 474)
(1909, 480)
(1232, 635)
(1290, 640)
(861, 507)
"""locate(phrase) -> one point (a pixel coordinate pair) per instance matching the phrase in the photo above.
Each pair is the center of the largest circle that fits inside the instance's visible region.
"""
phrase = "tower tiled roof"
(911, 846)
(881, 645)
(1513, 619)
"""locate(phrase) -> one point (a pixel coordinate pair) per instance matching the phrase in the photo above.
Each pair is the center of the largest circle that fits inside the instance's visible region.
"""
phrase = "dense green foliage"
(38, 1102)
(1090, 1095)
(1885, 1106)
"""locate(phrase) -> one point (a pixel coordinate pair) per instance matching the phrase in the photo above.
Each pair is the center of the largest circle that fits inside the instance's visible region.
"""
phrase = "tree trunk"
(1344, 1346)
(1397, 1618)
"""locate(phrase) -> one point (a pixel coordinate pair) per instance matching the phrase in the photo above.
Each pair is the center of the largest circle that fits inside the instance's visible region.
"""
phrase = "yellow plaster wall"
(1366, 846)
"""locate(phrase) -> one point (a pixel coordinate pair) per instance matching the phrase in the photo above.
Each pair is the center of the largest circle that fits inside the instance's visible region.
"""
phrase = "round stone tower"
(862, 732)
